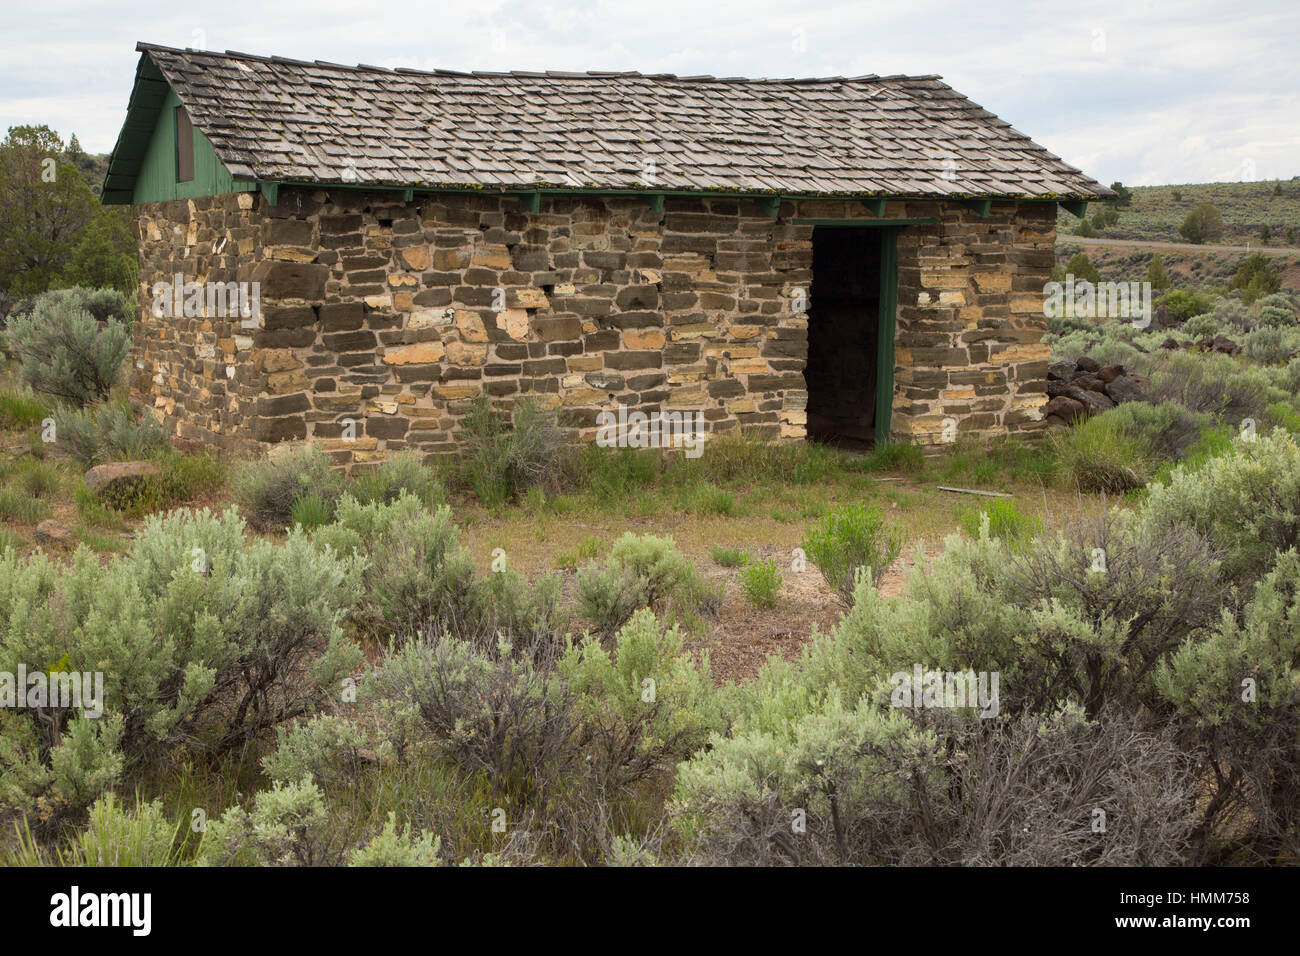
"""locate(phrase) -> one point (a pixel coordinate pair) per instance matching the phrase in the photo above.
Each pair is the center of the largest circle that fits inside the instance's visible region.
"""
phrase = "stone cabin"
(853, 260)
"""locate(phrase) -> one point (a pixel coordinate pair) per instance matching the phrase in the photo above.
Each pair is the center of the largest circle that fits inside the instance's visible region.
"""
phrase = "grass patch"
(19, 410)
(729, 557)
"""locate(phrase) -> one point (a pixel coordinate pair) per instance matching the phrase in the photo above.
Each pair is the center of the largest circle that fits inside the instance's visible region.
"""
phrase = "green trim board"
(887, 323)
(864, 223)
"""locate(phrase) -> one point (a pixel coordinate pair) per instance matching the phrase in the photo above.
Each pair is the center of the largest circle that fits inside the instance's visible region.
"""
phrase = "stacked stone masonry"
(383, 320)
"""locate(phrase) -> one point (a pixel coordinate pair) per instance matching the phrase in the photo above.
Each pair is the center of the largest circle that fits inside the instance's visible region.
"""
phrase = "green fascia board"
(865, 223)
(1077, 207)
(886, 325)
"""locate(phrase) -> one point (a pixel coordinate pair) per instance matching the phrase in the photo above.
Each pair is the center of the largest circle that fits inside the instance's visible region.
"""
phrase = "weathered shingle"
(277, 119)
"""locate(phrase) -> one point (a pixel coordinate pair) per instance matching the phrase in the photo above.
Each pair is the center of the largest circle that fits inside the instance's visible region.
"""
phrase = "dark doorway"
(843, 327)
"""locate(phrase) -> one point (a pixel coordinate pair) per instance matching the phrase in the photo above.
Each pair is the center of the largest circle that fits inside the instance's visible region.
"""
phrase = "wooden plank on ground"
(972, 491)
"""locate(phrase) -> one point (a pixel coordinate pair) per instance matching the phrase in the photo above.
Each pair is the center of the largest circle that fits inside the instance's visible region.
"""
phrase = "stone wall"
(970, 321)
(193, 371)
(381, 320)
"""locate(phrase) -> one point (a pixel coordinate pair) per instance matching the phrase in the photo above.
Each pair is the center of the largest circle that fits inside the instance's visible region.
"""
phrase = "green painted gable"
(143, 165)
(156, 180)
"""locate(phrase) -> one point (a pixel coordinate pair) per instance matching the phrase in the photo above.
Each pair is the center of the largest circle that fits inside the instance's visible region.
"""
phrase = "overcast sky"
(1140, 91)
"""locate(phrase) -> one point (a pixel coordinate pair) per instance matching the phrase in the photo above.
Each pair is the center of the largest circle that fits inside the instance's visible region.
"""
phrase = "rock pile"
(1086, 387)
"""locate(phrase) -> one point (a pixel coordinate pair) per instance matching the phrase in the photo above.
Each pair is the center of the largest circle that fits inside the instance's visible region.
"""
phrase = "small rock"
(50, 531)
(118, 474)
(1225, 345)
(1086, 364)
(1111, 372)
(1169, 344)
(1055, 388)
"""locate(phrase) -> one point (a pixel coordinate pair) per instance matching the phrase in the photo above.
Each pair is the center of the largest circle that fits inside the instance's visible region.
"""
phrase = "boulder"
(1086, 364)
(1169, 344)
(1225, 345)
(1124, 389)
(117, 476)
(1055, 388)
(1060, 371)
(1093, 401)
(1064, 408)
(1110, 373)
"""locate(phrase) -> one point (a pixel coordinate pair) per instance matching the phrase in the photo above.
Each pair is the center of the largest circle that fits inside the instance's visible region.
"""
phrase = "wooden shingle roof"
(275, 119)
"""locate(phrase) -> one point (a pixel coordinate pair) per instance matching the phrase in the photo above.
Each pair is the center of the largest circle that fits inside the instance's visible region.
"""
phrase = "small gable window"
(184, 146)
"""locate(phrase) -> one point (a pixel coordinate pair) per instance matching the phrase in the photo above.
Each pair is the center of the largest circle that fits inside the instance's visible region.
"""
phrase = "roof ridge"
(146, 47)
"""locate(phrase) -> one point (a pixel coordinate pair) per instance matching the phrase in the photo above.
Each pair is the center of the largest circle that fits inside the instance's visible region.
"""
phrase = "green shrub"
(762, 583)
(729, 557)
(66, 353)
(1098, 455)
(250, 638)
(1238, 692)
(1168, 429)
(107, 432)
(1278, 309)
(1201, 326)
(1183, 304)
(119, 837)
(649, 682)
(1268, 344)
(400, 472)
(1214, 384)
(266, 490)
(1003, 520)
(398, 847)
(288, 826)
(850, 539)
(641, 571)
(1255, 278)
(1247, 503)
(506, 455)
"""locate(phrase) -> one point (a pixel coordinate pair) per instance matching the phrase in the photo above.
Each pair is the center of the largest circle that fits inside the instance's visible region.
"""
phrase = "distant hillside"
(1157, 212)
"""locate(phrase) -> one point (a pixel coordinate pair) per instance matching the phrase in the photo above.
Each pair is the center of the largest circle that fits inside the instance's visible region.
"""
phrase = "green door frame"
(887, 321)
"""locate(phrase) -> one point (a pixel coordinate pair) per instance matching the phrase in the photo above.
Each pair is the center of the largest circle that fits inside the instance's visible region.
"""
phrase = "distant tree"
(1124, 193)
(1277, 189)
(1264, 233)
(106, 254)
(1290, 236)
(44, 205)
(1156, 274)
(1081, 267)
(1201, 224)
(1255, 279)
(1178, 195)
(1085, 229)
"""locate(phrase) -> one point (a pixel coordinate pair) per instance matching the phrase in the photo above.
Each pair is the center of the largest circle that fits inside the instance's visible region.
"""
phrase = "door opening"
(843, 335)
